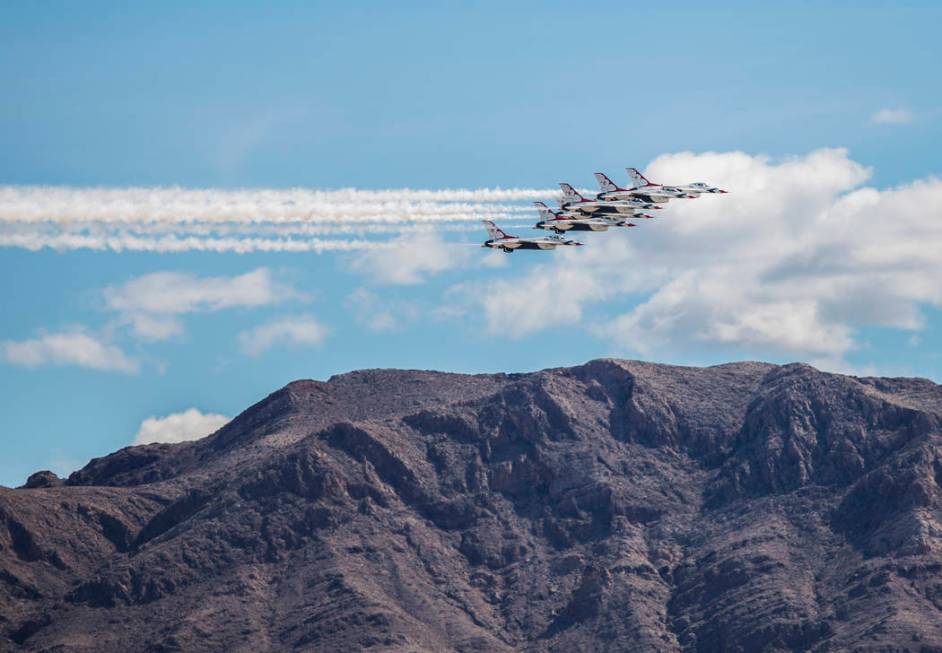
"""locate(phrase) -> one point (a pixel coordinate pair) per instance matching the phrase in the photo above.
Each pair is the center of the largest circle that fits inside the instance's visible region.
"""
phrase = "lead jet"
(694, 189)
(504, 241)
(561, 221)
(573, 202)
(644, 192)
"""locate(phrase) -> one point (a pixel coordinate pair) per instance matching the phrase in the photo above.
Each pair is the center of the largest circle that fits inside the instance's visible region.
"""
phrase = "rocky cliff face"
(615, 506)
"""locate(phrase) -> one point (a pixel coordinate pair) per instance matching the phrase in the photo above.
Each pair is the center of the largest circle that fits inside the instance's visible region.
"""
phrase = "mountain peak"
(615, 505)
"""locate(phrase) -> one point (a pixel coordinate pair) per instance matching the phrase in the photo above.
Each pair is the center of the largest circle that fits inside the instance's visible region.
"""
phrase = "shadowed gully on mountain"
(612, 506)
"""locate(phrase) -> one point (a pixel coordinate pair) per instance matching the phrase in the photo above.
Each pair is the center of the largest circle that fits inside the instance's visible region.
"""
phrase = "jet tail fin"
(637, 178)
(570, 194)
(494, 231)
(546, 213)
(606, 185)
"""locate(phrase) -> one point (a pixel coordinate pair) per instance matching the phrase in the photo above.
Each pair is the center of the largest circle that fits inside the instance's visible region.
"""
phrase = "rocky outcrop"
(43, 478)
(612, 506)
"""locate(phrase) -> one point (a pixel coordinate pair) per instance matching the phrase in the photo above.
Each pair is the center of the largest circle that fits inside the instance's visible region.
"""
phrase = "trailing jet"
(573, 202)
(503, 241)
(561, 221)
(645, 193)
(694, 189)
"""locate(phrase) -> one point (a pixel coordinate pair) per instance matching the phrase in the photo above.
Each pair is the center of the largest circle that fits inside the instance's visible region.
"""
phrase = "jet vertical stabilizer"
(637, 179)
(606, 185)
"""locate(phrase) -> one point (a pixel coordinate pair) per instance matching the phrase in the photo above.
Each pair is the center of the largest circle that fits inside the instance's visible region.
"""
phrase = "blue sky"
(467, 95)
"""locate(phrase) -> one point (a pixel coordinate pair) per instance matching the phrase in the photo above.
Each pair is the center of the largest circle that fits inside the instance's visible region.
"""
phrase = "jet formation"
(611, 208)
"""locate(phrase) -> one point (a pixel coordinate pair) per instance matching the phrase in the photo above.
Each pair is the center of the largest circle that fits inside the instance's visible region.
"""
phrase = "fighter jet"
(561, 221)
(503, 241)
(694, 189)
(573, 202)
(645, 192)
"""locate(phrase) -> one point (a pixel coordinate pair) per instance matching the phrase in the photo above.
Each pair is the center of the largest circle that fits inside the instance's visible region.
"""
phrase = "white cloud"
(300, 331)
(375, 313)
(409, 258)
(75, 347)
(191, 424)
(897, 116)
(152, 304)
(550, 295)
(793, 262)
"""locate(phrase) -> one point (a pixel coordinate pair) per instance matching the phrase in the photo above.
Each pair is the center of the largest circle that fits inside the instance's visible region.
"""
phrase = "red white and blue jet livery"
(561, 221)
(573, 202)
(694, 189)
(613, 207)
(507, 243)
(654, 193)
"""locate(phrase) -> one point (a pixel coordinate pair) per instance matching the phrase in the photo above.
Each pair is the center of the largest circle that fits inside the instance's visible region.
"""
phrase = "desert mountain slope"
(614, 506)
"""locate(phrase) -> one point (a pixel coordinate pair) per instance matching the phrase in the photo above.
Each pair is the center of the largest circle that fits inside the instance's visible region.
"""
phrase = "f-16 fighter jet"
(573, 202)
(645, 192)
(640, 181)
(560, 221)
(503, 241)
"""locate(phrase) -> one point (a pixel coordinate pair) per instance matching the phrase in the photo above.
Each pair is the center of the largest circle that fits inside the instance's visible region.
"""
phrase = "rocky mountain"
(614, 506)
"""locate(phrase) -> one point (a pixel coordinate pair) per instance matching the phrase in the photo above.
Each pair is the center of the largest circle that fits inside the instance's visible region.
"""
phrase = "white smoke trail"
(175, 244)
(203, 229)
(56, 204)
(177, 220)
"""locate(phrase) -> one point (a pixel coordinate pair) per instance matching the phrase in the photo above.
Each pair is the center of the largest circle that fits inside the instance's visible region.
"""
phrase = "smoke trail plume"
(171, 244)
(295, 220)
(56, 204)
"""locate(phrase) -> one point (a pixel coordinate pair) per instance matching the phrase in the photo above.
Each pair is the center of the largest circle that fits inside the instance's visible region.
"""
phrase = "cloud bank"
(72, 347)
(797, 259)
(892, 117)
(410, 258)
(191, 424)
(152, 307)
(152, 303)
(297, 331)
